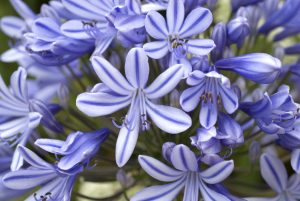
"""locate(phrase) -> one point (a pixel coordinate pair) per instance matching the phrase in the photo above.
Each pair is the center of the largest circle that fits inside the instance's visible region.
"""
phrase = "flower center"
(178, 46)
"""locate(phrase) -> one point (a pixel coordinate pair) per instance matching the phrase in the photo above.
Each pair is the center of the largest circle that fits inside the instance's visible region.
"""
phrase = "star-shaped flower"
(118, 92)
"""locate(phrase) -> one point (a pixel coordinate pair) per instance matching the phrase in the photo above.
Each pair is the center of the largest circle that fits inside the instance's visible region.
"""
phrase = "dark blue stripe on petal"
(197, 22)
(274, 172)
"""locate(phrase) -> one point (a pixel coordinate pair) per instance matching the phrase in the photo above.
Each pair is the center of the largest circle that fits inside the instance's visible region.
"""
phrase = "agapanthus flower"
(21, 114)
(186, 175)
(77, 150)
(57, 180)
(118, 92)
(102, 22)
(275, 114)
(274, 173)
(174, 35)
(211, 141)
(212, 90)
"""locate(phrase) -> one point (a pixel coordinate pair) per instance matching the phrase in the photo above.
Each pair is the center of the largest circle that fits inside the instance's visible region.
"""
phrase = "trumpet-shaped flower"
(185, 175)
(211, 89)
(175, 34)
(77, 150)
(118, 92)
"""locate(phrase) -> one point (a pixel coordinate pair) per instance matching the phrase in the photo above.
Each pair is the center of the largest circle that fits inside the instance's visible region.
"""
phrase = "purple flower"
(175, 34)
(185, 175)
(211, 90)
(102, 22)
(77, 150)
(55, 184)
(118, 92)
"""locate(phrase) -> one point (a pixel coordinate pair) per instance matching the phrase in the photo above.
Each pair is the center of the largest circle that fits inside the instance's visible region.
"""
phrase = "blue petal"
(34, 119)
(258, 67)
(99, 104)
(184, 159)
(75, 29)
(175, 15)
(208, 114)
(49, 145)
(190, 97)
(12, 55)
(295, 160)
(257, 109)
(156, 26)
(158, 170)
(191, 191)
(218, 172)
(13, 127)
(165, 192)
(129, 22)
(197, 21)
(12, 26)
(126, 142)
(200, 46)
(209, 194)
(165, 82)
(229, 99)
(156, 49)
(88, 10)
(46, 28)
(231, 129)
(137, 68)
(33, 159)
(26, 179)
(18, 84)
(195, 78)
(111, 76)
(168, 119)
(273, 171)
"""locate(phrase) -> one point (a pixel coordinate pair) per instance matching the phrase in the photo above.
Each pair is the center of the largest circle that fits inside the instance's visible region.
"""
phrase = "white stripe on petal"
(160, 193)
(218, 172)
(273, 171)
(137, 67)
(169, 119)
(184, 159)
(110, 76)
(165, 82)
(159, 170)
(99, 104)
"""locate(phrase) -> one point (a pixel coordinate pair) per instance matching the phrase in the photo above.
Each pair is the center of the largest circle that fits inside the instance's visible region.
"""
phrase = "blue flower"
(176, 34)
(274, 173)
(275, 114)
(77, 150)
(185, 174)
(118, 92)
(210, 141)
(295, 160)
(211, 89)
(238, 29)
(56, 184)
(21, 114)
(102, 22)
(258, 67)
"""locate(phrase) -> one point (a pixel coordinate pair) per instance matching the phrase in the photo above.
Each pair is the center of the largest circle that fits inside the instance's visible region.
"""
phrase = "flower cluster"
(146, 81)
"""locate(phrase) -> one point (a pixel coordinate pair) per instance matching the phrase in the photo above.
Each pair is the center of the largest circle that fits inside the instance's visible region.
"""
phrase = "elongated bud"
(238, 29)
(258, 67)
(219, 36)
